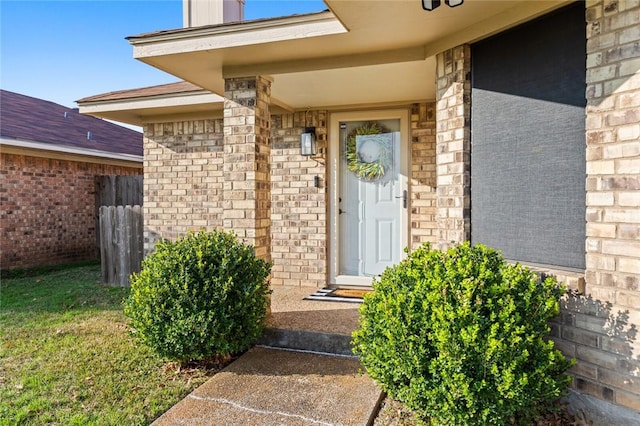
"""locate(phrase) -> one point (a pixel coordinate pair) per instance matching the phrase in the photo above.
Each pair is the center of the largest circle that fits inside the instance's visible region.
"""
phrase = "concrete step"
(313, 341)
(295, 322)
(281, 387)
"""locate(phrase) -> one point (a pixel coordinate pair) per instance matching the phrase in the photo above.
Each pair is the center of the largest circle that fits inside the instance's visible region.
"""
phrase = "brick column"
(613, 201)
(246, 191)
(453, 145)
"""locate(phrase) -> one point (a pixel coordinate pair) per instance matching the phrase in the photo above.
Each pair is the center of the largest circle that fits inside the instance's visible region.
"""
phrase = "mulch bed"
(393, 413)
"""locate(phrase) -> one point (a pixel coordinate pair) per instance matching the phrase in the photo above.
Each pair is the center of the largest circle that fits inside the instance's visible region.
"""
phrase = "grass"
(67, 357)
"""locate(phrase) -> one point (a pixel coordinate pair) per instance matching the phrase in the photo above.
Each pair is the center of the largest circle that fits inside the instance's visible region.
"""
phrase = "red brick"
(48, 211)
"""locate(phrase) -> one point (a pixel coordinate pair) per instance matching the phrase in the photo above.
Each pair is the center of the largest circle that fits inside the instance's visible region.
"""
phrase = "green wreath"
(362, 169)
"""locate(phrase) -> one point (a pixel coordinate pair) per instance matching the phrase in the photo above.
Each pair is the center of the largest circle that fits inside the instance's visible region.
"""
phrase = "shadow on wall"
(604, 342)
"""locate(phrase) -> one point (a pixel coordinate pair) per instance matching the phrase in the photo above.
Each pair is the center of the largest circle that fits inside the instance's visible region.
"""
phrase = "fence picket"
(121, 243)
(115, 191)
(118, 190)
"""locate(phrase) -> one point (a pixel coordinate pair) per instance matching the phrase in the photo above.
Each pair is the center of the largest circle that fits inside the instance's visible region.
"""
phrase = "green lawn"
(67, 358)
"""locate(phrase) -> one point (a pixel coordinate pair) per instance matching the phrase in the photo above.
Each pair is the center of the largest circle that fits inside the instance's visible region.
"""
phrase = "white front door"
(370, 195)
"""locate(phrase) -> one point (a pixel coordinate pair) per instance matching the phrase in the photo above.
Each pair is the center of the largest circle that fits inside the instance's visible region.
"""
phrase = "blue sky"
(62, 51)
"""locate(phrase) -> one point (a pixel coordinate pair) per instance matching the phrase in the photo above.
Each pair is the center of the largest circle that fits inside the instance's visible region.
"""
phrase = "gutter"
(23, 144)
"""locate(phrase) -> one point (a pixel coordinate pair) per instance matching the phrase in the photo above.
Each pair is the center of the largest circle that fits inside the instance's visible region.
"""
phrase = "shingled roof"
(36, 120)
(144, 92)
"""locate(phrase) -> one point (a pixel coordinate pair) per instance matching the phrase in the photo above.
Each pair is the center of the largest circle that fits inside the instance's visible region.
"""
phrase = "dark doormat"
(348, 295)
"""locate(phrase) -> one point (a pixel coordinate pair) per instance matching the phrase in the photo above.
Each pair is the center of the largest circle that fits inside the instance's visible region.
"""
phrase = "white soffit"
(359, 44)
(366, 85)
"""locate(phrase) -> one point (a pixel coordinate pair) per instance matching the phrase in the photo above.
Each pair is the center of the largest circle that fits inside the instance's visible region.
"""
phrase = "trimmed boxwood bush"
(200, 296)
(460, 337)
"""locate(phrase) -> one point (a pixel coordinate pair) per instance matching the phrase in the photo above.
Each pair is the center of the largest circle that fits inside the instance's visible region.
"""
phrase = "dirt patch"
(393, 413)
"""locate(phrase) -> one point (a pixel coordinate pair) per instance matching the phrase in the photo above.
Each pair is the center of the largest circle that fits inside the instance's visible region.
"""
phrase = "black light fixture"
(432, 4)
(308, 141)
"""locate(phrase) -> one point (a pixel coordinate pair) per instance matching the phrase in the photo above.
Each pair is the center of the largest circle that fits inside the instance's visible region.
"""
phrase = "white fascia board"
(27, 144)
(245, 34)
(159, 101)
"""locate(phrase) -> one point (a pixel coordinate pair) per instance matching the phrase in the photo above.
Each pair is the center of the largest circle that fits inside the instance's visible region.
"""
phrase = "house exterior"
(515, 124)
(50, 156)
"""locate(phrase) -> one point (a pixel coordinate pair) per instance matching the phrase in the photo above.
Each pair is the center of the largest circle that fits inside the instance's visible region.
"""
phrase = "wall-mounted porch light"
(432, 4)
(308, 141)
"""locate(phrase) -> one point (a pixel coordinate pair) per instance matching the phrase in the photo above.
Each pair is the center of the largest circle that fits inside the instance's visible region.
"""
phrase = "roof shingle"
(31, 119)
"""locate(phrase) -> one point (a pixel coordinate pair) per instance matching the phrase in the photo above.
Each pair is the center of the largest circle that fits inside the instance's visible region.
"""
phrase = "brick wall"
(453, 158)
(424, 225)
(48, 210)
(299, 209)
(601, 328)
(183, 178)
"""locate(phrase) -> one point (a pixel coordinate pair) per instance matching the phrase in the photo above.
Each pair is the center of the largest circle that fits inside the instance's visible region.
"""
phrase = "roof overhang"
(356, 53)
(133, 107)
(62, 152)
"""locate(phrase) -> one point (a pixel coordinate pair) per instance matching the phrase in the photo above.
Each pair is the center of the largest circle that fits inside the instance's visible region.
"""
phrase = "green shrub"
(460, 337)
(203, 295)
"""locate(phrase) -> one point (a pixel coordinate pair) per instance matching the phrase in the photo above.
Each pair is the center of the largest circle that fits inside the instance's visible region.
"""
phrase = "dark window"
(528, 140)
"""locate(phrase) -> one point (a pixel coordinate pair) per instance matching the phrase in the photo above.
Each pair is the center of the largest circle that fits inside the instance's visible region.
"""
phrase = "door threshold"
(352, 281)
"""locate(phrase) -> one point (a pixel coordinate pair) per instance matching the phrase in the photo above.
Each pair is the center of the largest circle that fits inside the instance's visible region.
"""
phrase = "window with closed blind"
(528, 140)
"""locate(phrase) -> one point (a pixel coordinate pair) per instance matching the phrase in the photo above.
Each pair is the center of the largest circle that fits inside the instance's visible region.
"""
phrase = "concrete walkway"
(291, 384)
(269, 386)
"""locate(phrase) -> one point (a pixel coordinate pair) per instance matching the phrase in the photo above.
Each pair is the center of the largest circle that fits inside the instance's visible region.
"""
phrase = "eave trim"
(157, 101)
(235, 35)
(85, 152)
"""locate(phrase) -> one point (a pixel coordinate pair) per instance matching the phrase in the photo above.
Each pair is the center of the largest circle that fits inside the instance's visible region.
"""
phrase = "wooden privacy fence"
(121, 243)
(118, 190)
(119, 227)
